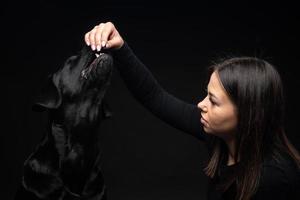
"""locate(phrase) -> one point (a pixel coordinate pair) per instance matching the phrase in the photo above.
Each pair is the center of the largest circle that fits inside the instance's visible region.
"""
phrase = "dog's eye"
(71, 59)
(71, 62)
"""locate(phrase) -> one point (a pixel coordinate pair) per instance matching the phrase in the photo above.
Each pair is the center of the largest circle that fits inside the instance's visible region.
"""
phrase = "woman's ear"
(49, 96)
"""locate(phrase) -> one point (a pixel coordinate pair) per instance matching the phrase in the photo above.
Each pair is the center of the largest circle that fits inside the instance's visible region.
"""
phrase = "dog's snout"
(98, 54)
(99, 66)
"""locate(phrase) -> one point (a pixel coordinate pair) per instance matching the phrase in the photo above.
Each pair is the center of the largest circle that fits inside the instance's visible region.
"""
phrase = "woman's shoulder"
(280, 179)
(280, 172)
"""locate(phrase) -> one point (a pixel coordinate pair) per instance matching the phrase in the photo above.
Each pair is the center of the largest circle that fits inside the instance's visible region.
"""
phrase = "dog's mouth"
(90, 65)
(95, 61)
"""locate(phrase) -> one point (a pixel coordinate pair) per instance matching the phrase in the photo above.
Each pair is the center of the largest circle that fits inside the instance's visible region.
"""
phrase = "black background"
(144, 158)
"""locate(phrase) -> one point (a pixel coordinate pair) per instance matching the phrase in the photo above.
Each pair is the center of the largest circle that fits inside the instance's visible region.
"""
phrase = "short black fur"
(66, 164)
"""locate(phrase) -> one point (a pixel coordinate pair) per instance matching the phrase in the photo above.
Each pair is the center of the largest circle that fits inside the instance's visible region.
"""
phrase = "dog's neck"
(77, 115)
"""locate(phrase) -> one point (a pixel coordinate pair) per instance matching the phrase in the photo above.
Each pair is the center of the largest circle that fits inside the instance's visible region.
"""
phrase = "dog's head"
(76, 91)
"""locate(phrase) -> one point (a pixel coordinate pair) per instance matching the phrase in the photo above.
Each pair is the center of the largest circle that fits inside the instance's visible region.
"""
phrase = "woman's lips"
(203, 121)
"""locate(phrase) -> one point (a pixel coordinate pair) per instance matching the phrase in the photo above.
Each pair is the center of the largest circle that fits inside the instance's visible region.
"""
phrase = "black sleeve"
(145, 88)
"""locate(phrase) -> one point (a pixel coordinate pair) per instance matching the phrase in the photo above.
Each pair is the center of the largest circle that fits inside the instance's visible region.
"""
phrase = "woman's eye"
(212, 102)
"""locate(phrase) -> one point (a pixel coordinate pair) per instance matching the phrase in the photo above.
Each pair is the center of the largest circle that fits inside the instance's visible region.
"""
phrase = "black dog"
(65, 165)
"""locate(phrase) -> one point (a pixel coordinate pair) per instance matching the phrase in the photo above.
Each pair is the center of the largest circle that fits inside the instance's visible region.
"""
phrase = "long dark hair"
(255, 87)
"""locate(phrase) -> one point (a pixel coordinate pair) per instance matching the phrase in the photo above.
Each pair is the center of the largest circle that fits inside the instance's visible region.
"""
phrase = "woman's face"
(218, 113)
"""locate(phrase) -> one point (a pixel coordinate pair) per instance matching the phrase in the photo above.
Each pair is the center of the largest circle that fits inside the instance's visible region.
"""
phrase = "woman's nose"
(201, 105)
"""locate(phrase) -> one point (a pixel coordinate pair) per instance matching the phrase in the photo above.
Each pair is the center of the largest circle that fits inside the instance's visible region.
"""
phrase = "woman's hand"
(104, 35)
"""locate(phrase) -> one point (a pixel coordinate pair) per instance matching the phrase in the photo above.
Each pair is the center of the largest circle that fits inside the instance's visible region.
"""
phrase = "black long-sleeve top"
(279, 180)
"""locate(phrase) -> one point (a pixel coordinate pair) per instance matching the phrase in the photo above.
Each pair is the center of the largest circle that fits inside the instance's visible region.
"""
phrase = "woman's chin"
(206, 129)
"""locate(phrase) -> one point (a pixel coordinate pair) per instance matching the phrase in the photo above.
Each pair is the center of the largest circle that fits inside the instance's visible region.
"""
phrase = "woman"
(242, 119)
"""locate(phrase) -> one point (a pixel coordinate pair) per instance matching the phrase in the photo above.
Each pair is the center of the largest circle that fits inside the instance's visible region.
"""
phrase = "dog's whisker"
(84, 74)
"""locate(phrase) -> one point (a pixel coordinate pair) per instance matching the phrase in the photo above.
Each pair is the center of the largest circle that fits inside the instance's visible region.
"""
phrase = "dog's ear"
(106, 111)
(49, 96)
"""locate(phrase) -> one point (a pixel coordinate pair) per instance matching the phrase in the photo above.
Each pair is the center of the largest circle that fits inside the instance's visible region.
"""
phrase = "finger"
(106, 33)
(115, 42)
(86, 38)
(98, 36)
(92, 38)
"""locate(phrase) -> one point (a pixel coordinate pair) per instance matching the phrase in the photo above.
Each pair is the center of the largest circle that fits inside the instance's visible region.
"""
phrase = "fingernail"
(98, 47)
(87, 43)
(103, 43)
(93, 47)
